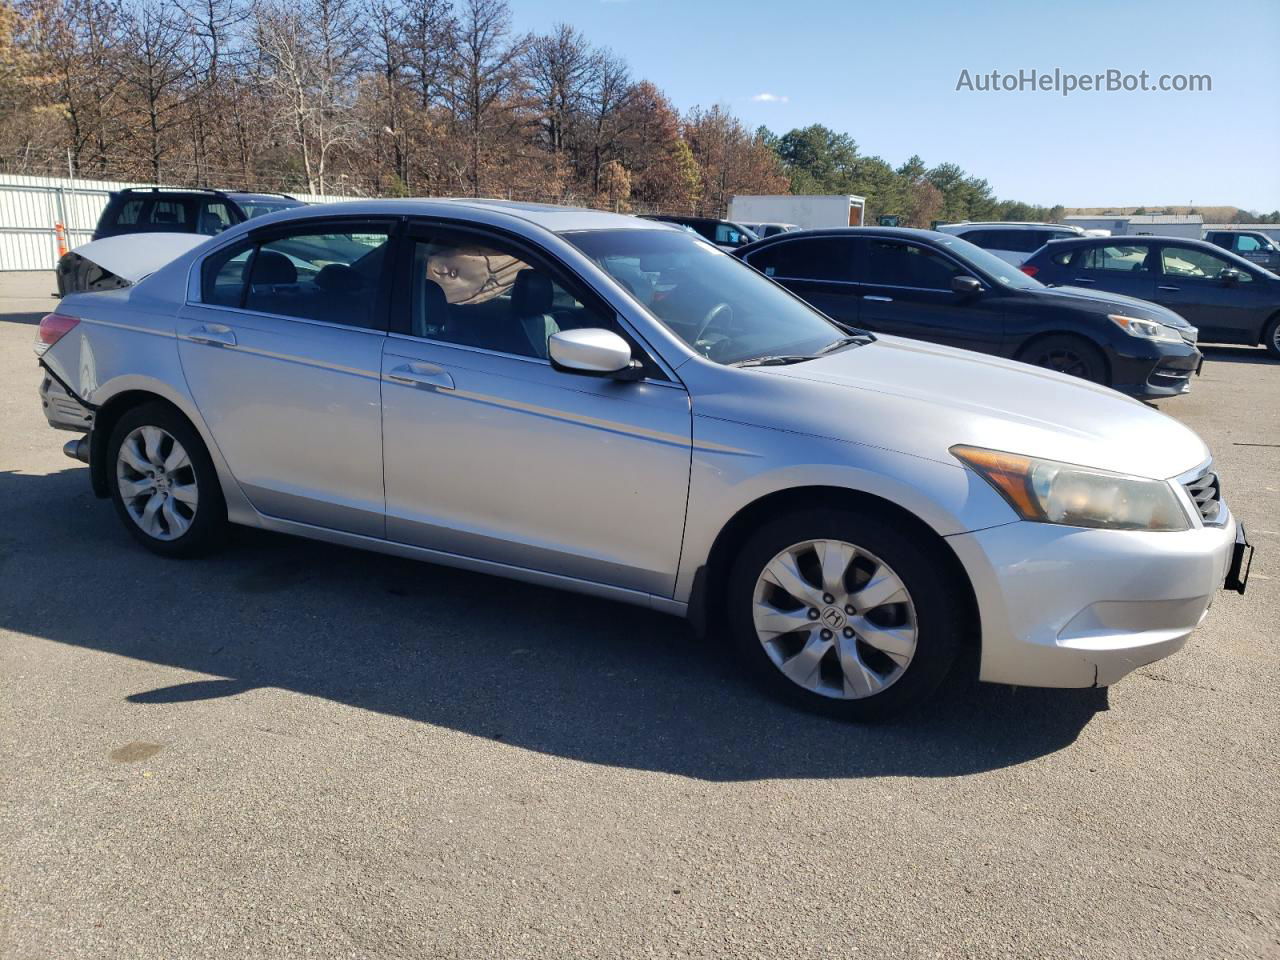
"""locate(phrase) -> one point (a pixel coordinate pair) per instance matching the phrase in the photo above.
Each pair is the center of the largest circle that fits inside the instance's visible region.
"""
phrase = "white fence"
(31, 207)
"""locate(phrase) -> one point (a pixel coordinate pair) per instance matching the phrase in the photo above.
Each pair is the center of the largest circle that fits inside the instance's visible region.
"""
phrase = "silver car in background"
(607, 405)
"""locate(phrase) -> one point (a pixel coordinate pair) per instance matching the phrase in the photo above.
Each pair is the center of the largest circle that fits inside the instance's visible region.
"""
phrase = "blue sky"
(886, 72)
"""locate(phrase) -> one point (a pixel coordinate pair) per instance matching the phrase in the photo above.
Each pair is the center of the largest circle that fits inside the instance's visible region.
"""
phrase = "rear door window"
(128, 213)
(1115, 258)
(813, 258)
(334, 277)
(170, 215)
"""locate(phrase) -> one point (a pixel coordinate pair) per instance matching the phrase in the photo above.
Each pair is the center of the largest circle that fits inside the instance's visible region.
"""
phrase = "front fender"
(734, 465)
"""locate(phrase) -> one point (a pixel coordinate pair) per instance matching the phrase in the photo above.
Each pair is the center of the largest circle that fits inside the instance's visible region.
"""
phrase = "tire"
(187, 515)
(1271, 337)
(851, 679)
(1065, 353)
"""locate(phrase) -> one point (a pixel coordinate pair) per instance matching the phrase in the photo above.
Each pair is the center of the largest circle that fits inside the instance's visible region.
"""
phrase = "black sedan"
(932, 286)
(1230, 299)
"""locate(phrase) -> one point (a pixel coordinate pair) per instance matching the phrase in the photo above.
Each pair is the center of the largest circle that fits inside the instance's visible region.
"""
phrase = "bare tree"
(560, 67)
(485, 83)
(607, 97)
(309, 60)
(154, 75)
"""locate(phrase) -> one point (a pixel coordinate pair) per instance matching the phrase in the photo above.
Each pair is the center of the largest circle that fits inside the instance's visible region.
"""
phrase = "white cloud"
(770, 98)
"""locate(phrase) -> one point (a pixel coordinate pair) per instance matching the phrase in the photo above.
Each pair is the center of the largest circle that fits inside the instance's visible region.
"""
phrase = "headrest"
(339, 278)
(435, 305)
(272, 267)
(531, 294)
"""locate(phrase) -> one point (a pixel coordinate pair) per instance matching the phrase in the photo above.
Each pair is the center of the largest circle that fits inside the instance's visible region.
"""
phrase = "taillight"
(1030, 271)
(52, 329)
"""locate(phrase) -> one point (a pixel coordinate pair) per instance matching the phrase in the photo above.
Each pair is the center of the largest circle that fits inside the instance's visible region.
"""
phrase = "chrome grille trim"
(1206, 493)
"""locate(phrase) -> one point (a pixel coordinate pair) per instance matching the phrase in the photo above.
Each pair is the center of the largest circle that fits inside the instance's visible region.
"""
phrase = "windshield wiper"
(777, 361)
(861, 340)
(782, 359)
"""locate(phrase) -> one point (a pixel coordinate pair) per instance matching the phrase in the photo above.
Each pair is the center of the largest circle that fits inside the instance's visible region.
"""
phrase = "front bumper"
(1151, 371)
(1073, 607)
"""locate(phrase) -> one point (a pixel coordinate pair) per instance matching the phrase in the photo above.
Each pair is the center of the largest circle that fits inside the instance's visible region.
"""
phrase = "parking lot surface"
(292, 749)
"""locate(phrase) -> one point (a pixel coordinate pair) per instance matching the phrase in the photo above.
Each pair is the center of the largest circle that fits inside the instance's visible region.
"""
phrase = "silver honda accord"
(609, 405)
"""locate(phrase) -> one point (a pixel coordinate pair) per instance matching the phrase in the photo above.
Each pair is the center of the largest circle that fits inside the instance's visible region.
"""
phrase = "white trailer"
(810, 212)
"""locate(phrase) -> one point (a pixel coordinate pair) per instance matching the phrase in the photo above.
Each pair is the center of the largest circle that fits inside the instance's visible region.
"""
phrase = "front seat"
(531, 304)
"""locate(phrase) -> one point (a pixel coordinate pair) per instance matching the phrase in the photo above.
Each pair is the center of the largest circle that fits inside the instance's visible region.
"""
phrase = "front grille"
(1207, 495)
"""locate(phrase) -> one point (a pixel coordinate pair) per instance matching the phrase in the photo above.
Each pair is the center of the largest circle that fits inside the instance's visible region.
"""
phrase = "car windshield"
(718, 305)
(1001, 271)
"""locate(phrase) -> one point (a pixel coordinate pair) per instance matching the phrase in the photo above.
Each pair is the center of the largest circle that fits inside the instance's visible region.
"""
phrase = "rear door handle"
(1170, 289)
(214, 333)
(1083, 280)
(421, 374)
(877, 299)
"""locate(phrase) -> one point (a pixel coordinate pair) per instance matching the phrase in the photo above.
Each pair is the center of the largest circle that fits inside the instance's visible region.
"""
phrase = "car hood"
(1106, 302)
(922, 399)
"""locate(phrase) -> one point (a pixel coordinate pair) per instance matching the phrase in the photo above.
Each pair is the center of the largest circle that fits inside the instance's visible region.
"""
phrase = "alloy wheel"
(1064, 361)
(835, 619)
(157, 483)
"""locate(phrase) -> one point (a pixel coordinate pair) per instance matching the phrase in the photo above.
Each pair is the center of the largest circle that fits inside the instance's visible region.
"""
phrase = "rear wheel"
(1271, 337)
(840, 612)
(163, 483)
(1067, 354)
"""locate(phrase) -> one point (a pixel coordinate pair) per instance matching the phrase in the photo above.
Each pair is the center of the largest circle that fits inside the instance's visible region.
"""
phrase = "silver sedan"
(607, 405)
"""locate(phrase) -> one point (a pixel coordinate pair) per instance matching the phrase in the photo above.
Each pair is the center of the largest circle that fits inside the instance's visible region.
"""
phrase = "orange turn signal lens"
(1009, 473)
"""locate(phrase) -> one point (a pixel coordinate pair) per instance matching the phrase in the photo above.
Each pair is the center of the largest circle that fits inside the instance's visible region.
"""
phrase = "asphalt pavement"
(296, 750)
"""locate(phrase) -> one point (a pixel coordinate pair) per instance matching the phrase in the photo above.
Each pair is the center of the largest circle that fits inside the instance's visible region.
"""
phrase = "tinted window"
(214, 218)
(169, 215)
(319, 276)
(223, 276)
(1191, 263)
(893, 263)
(128, 213)
(730, 236)
(483, 295)
(1116, 257)
(813, 258)
(715, 303)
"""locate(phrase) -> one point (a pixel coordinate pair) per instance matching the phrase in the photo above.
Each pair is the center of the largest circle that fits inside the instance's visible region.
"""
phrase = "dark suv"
(162, 210)
(932, 286)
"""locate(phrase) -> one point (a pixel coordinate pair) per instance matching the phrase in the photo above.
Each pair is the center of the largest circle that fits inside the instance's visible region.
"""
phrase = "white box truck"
(810, 212)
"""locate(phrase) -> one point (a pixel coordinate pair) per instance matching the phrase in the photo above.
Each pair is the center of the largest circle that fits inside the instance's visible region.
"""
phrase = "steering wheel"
(712, 316)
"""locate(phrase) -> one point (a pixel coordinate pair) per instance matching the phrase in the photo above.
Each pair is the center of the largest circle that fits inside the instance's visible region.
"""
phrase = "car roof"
(548, 216)
(1015, 225)
(906, 233)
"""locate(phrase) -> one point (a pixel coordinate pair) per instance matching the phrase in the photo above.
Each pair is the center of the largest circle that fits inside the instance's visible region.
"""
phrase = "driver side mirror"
(1229, 277)
(595, 352)
(965, 286)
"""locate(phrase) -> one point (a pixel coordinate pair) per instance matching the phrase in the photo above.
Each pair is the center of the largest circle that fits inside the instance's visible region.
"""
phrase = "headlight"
(1146, 329)
(1049, 492)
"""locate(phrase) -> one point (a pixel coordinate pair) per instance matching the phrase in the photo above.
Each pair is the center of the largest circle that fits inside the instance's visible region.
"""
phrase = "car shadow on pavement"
(23, 318)
(539, 669)
(1235, 354)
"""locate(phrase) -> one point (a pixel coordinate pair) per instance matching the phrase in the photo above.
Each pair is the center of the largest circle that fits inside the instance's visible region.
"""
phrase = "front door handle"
(878, 299)
(1169, 288)
(421, 374)
(214, 333)
(1083, 280)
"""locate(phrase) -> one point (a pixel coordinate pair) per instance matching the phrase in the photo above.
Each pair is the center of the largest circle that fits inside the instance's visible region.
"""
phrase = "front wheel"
(843, 613)
(163, 483)
(1271, 337)
(1067, 354)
